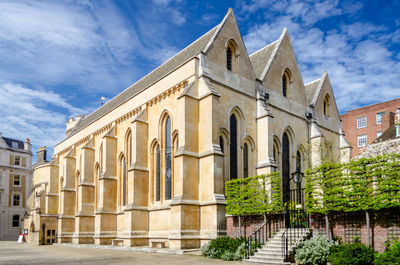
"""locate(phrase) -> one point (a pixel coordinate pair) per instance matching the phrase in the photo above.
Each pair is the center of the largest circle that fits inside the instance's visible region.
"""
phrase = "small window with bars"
(229, 58)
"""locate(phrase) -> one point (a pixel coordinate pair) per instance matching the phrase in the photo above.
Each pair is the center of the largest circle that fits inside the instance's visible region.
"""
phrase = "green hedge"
(251, 196)
(364, 184)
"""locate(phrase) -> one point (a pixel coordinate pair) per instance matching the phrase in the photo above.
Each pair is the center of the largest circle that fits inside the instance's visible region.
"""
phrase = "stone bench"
(117, 242)
(158, 244)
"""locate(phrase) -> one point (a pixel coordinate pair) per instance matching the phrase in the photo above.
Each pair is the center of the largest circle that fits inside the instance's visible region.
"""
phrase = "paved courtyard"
(13, 253)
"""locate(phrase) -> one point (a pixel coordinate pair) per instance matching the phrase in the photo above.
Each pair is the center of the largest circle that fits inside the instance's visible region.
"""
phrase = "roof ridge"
(265, 47)
(318, 91)
(311, 82)
(183, 56)
(271, 58)
(184, 49)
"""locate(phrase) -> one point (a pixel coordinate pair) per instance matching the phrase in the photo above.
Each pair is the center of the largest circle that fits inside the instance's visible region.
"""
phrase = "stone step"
(265, 262)
(270, 255)
(266, 258)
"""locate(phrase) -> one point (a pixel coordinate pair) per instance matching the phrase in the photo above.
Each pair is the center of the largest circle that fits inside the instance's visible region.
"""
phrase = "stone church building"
(148, 167)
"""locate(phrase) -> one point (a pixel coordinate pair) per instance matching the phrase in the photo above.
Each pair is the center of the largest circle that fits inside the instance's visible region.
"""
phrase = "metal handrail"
(259, 237)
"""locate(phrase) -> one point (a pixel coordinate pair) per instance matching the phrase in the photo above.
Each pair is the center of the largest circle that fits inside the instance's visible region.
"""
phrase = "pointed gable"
(260, 58)
(283, 60)
(228, 32)
(324, 88)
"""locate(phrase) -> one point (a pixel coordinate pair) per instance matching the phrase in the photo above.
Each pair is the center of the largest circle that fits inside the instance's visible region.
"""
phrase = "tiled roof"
(18, 144)
(260, 58)
(169, 66)
(311, 89)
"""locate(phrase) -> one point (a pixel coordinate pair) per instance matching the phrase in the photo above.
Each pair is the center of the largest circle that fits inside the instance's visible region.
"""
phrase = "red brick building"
(363, 125)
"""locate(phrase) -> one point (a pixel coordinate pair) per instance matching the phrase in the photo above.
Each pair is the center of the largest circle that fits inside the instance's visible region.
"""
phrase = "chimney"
(27, 145)
(41, 155)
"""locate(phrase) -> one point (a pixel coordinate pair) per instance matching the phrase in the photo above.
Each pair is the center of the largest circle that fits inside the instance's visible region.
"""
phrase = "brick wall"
(250, 224)
(384, 226)
(349, 121)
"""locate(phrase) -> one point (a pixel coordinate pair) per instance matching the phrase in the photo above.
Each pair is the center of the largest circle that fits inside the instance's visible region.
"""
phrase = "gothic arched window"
(221, 144)
(245, 161)
(229, 53)
(233, 147)
(168, 160)
(158, 174)
(124, 181)
(326, 106)
(298, 161)
(285, 82)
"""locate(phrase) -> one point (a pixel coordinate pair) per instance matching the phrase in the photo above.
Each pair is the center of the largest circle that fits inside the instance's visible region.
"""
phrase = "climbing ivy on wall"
(364, 184)
(254, 195)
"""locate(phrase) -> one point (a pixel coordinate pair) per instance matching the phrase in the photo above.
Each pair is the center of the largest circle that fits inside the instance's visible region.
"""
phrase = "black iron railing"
(262, 234)
(296, 221)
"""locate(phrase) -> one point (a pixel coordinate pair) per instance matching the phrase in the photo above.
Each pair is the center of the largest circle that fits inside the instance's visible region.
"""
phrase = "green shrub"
(228, 256)
(223, 247)
(391, 256)
(314, 251)
(352, 254)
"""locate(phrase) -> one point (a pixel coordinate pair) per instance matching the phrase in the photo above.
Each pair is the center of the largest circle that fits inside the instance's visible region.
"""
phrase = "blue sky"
(57, 58)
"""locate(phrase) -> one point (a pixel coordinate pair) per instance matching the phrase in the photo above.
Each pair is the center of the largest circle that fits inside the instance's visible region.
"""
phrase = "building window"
(379, 118)
(361, 122)
(168, 160)
(129, 148)
(15, 221)
(1, 198)
(14, 145)
(17, 180)
(298, 161)
(233, 147)
(229, 53)
(326, 106)
(245, 161)
(158, 173)
(17, 160)
(16, 199)
(285, 82)
(221, 144)
(124, 180)
(362, 140)
(378, 134)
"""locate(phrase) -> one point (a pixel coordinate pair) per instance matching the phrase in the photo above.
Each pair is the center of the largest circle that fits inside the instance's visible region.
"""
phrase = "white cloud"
(61, 42)
(357, 55)
(36, 114)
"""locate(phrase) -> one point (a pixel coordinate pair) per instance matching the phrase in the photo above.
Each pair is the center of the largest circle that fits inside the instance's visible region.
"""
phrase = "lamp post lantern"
(297, 177)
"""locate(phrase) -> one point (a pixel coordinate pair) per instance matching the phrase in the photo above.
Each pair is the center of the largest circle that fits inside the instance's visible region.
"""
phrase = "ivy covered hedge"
(254, 195)
(364, 184)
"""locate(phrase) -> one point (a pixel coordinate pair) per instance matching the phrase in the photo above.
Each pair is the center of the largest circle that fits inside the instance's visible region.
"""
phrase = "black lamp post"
(297, 177)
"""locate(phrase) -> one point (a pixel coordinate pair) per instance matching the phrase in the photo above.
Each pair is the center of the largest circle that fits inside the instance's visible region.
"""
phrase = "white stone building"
(15, 185)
